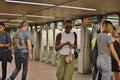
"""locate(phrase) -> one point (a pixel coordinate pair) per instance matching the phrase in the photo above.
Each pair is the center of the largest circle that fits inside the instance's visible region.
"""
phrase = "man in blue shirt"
(22, 56)
(5, 42)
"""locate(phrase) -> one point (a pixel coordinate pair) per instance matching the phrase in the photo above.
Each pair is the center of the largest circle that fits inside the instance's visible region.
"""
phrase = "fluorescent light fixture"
(112, 17)
(19, 21)
(81, 8)
(11, 24)
(3, 19)
(44, 4)
(15, 20)
(10, 14)
(33, 3)
(39, 16)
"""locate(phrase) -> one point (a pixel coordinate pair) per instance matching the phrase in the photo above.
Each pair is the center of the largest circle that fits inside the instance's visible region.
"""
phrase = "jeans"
(3, 58)
(21, 58)
(104, 66)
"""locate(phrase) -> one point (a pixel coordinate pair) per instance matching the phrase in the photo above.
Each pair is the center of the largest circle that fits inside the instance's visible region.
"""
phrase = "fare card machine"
(49, 46)
(43, 45)
(36, 45)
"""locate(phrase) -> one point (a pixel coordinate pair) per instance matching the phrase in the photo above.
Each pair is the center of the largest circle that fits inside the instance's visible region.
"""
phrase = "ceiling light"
(3, 19)
(81, 8)
(112, 17)
(44, 4)
(39, 16)
(33, 3)
(10, 14)
(11, 24)
(15, 20)
(19, 21)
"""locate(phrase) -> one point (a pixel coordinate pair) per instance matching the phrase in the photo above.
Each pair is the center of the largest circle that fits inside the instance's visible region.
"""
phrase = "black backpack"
(94, 54)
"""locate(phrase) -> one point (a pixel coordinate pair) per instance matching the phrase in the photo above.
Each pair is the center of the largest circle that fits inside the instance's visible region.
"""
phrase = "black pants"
(95, 72)
(3, 59)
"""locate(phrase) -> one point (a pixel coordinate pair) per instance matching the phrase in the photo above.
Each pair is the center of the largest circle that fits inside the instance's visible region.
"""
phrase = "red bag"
(69, 57)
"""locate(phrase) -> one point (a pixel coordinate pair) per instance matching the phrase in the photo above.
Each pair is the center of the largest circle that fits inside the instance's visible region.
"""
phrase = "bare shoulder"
(58, 36)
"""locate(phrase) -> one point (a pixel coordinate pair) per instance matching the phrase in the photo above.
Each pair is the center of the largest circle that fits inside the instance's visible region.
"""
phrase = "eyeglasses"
(68, 27)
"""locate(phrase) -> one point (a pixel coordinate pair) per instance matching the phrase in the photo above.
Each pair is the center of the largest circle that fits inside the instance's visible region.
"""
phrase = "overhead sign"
(93, 19)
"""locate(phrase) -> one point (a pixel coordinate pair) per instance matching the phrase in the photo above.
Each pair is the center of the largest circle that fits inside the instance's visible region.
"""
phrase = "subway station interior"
(45, 18)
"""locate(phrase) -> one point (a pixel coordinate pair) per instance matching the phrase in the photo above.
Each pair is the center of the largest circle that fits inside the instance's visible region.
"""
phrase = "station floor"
(42, 71)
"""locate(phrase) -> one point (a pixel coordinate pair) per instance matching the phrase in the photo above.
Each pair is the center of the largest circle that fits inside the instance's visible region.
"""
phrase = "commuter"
(116, 44)
(5, 42)
(22, 56)
(66, 44)
(105, 48)
(94, 64)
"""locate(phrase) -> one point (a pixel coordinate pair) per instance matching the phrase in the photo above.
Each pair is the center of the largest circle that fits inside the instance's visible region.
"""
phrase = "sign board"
(92, 19)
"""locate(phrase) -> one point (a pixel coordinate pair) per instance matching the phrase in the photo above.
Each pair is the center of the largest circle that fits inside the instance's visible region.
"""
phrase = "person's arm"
(114, 53)
(58, 45)
(5, 45)
(29, 48)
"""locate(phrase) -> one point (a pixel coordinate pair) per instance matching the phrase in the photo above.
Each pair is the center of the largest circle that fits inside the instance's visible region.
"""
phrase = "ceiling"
(56, 13)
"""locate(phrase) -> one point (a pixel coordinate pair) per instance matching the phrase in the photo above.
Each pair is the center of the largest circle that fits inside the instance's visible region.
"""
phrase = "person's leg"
(18, 66)
(94, 73)
(104, 66)
(99, 76)
(60, 67)
(117, 76)
(69, 69)
(4, 66)
(106, 70)
(24, 58)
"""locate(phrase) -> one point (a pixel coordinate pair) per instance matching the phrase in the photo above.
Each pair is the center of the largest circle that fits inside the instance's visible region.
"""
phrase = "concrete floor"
(42, 71)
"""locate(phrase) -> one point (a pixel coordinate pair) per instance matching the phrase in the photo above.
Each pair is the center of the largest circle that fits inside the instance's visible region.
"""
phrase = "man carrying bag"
(5, 42)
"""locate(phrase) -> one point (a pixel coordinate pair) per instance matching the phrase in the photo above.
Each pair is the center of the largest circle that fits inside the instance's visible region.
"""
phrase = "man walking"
(22, 56)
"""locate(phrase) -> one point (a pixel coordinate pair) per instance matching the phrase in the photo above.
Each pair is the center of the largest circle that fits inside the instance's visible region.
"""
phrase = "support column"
(53, 51)
(41, 46)
(47, 46)
(83, 60)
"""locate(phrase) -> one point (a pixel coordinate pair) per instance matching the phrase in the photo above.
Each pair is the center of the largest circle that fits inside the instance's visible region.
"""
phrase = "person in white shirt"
(66, 43)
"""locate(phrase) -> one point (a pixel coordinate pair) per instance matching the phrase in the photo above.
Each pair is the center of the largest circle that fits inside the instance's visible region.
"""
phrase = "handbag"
(7, 51)
(75, 54)
(69, 57)
(94, 54)
(9, 56)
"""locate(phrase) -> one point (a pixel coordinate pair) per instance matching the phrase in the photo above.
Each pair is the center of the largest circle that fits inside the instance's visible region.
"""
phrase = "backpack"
(18, 40)
(94, 54)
